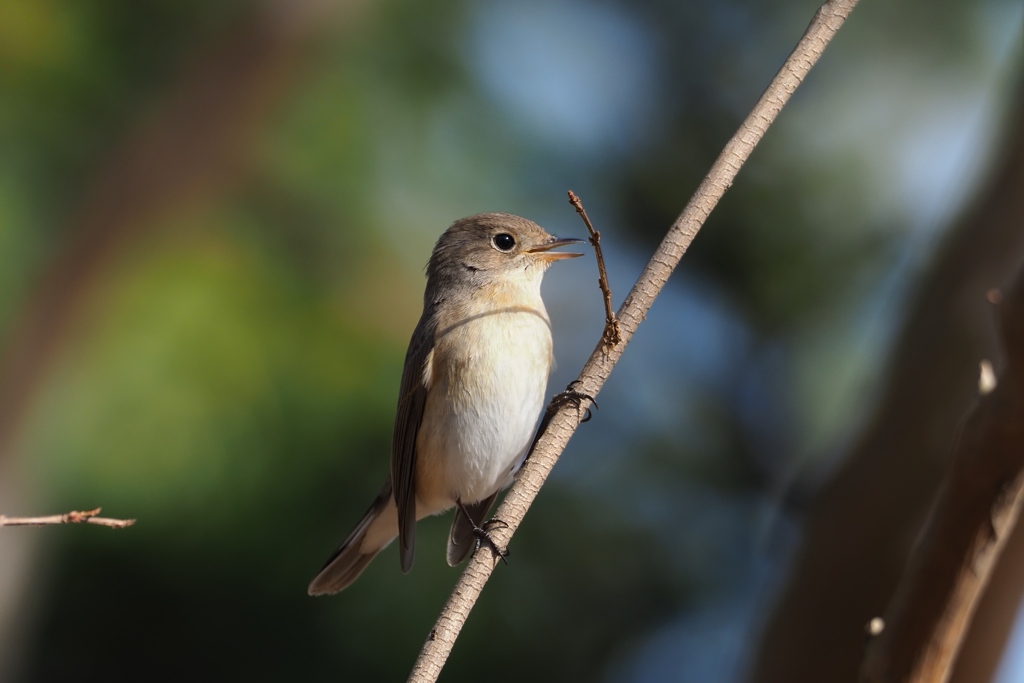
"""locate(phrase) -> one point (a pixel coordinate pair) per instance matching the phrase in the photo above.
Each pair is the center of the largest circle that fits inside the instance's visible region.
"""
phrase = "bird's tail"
(378, 527)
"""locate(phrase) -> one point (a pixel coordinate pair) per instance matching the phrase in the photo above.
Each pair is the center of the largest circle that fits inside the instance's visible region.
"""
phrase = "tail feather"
(350, 559)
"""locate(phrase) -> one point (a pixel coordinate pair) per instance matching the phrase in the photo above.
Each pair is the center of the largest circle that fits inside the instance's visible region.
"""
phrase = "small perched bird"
(471, 394)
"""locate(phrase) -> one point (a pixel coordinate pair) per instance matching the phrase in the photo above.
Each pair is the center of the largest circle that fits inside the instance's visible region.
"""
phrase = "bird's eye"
(504, 241)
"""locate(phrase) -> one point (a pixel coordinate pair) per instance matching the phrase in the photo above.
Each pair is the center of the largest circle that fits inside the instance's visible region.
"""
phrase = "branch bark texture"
(552, 442)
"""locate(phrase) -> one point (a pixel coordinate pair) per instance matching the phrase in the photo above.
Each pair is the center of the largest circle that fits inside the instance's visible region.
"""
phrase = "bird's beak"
(544, 250)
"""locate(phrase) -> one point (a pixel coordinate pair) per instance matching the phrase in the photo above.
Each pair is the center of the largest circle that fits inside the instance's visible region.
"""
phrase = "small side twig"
(612, 333)
(73, 517)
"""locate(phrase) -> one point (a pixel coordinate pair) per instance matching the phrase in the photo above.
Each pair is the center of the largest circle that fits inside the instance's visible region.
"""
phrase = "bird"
(471, 393)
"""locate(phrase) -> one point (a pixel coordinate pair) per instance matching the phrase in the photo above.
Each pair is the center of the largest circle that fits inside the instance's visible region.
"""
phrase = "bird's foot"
(483, 532)
(483, 537)
(573, 397)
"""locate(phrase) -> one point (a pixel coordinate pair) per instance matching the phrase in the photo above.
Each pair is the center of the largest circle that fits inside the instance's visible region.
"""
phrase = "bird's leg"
(482, 533)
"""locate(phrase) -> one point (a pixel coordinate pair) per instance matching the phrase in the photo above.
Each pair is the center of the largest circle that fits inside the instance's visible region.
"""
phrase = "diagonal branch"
(566, 418)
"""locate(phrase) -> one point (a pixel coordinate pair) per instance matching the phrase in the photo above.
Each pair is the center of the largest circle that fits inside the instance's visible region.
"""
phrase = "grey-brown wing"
(412, 397)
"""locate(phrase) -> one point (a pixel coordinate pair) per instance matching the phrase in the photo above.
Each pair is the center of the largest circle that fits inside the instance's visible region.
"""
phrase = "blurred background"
(214, 219)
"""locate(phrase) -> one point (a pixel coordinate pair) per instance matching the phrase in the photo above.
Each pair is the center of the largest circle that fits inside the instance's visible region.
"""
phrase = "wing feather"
(412, 397)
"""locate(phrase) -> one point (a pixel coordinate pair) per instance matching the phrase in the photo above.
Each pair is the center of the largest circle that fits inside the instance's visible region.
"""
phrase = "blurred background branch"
(863, 523)
(182, 155)
(975, 512)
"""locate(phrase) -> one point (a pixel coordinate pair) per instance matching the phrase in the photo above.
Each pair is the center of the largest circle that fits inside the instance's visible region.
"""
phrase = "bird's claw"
(570, 395)
(483, 537)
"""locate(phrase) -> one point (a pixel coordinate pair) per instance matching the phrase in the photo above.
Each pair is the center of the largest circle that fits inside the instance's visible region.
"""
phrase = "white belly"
(489, 380)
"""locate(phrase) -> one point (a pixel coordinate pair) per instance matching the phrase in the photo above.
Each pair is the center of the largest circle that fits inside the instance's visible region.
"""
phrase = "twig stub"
(612, 332)
(73, 517)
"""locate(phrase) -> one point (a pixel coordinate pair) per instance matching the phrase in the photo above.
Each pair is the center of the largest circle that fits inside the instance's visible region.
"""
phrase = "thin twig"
(73, 517)
(612, 333)
(552, 442)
